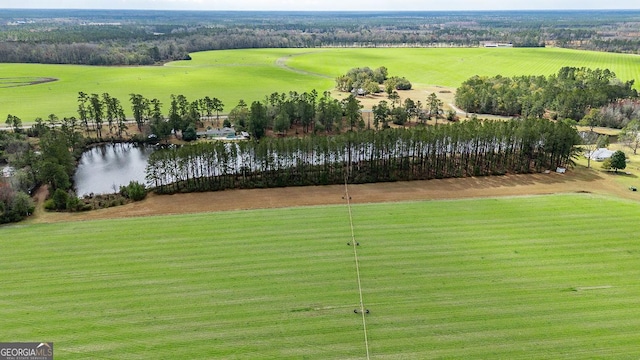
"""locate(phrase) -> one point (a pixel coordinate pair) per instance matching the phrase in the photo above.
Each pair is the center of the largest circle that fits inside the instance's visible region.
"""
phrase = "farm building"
(600, 154)
(497, 45)
(217, 133)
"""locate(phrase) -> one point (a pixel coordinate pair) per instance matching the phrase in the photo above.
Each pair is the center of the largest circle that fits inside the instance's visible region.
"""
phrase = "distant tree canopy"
(569, 93)
(366, 81)
(362, 78)
(103, 37)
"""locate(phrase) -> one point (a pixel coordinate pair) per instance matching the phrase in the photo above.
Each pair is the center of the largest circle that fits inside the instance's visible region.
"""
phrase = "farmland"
(450, 67)
(231, 75)
(228, 75)
(524, 277)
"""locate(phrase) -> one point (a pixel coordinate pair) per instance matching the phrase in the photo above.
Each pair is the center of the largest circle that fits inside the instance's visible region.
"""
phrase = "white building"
(217, 133)
(600, 154)
(7, 172)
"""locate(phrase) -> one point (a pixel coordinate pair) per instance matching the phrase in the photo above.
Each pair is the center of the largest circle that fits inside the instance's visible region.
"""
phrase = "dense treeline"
(15, 203)
(51, 163)
(470, 148)
(317, 113)
(102, 37)
(616, 115)
(569, 94)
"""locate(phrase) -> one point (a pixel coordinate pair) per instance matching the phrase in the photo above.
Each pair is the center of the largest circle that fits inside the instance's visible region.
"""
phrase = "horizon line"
(324, 10)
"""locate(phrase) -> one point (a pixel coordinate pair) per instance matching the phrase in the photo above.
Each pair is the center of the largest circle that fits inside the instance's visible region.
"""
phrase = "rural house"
(600, 154)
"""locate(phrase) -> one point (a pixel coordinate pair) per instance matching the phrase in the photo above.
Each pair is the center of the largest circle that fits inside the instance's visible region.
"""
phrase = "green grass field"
(510, 278)
(451, 66)
(232, 75)
(228, 75)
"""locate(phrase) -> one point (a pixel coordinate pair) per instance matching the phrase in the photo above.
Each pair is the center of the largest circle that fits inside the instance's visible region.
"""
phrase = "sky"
(323, 5)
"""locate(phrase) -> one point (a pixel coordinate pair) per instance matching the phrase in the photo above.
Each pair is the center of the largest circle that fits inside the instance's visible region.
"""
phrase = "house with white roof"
(600, 154)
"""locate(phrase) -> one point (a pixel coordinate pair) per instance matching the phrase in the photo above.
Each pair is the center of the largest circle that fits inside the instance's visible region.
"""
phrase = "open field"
(449, 67)
(232, 75)
(228, 75)
(551, 276)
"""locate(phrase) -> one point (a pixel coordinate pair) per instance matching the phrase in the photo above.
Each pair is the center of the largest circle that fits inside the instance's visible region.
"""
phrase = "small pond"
(104, 168)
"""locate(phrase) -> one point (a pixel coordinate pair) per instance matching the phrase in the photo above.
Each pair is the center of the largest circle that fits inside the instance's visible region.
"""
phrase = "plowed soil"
(576, 180)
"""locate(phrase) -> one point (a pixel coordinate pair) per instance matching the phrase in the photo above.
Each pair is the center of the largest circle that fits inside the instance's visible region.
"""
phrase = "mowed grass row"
(536, 277)
(231, 75)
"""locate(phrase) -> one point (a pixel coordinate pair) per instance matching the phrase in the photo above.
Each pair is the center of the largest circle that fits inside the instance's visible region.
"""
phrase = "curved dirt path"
(282, 63)
(577, 180)
(10, 82)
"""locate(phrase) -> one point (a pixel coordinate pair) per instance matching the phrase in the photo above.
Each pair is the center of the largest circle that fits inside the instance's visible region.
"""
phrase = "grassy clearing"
(232, 75)
(536, 277)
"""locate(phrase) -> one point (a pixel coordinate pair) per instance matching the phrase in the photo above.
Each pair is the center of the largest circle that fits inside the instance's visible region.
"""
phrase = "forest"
(51, 163)
(569, 94)
(471, 148)
(103, 37)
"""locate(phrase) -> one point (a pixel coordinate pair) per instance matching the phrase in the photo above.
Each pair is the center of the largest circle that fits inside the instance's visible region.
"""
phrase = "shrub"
(138, 139)
(189, 134)
(73, 203)
(85, 207)
(134, 191)
(403, 84)
(60, 198)
(451, 116)
(22, 204)
(14, 205)
(49, 205)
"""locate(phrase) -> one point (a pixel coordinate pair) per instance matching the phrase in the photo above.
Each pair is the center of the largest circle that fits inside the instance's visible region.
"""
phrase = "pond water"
(104, 168)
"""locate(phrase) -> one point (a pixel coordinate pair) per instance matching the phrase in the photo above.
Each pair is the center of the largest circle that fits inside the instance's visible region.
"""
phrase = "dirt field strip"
(579, 179)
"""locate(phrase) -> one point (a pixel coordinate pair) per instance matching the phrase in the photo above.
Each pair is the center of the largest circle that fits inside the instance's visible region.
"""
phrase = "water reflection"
(103, 169)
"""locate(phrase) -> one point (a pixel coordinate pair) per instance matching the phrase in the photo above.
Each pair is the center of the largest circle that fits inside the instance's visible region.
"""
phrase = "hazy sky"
(323, 4)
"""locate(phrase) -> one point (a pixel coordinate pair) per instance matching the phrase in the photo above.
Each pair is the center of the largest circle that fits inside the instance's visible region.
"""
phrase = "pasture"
(513, 278)
(228, 75)
(231, 75)
(451, 66)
